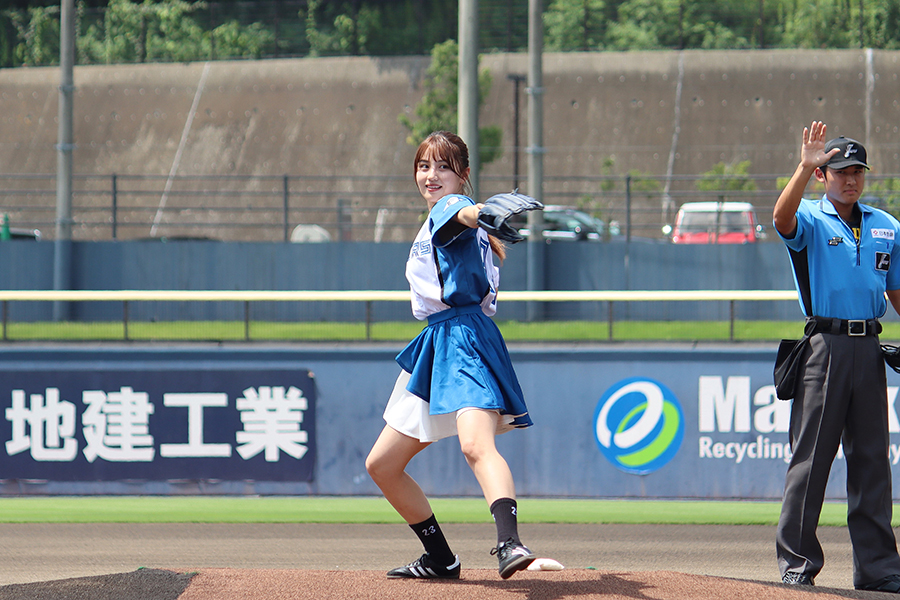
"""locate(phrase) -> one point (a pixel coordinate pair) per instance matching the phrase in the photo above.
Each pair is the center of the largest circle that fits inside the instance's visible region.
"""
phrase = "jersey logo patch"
(835, 241)
(882, 261)
(884, 234)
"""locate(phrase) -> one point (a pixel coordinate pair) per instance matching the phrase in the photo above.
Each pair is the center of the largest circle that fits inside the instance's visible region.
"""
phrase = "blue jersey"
(837, 275)
(451, 265)
(460, 359)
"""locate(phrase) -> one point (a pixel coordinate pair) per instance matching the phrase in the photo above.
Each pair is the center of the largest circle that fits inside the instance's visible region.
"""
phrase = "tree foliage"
(883, 193)
(727, 177)
(374, 27)
(184, 30)
(438, 108)
(135, 32)
(575, 25)
(37, 30)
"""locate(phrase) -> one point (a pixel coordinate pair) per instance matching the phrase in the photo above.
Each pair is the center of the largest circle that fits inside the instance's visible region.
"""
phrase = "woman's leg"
(477, 430)
(386, 464)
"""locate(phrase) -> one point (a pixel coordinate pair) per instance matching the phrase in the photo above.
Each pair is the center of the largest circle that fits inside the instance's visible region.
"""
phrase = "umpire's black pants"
(841, 396)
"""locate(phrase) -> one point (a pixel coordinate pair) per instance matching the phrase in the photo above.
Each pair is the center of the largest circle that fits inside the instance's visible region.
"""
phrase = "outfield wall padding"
(669, 421)
(370, 266)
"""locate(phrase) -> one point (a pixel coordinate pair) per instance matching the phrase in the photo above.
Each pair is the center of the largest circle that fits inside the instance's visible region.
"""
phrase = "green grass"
(370, 509)
(210, 331)
(402, 331)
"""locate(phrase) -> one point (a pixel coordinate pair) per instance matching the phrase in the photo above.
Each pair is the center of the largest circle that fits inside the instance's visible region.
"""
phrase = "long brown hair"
(449, 147)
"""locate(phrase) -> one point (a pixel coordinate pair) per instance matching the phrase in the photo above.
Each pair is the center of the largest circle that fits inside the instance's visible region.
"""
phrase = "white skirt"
(409, 414)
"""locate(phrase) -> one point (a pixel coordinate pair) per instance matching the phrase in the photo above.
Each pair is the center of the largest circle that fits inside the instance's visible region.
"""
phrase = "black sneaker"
(794, 578)
(513, 557)
(425, 568)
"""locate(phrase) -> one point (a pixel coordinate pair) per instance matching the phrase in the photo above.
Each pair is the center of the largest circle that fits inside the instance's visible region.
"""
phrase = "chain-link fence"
(365, 208)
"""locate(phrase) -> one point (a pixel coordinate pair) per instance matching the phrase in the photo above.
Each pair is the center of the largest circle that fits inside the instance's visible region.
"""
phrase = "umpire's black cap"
(852, 153)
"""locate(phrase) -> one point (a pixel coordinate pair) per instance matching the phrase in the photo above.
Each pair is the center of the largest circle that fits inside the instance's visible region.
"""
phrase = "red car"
(716, 223)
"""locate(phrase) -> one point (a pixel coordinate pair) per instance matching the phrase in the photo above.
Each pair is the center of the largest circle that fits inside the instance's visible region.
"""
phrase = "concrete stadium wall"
(664, 113)
(338, 116)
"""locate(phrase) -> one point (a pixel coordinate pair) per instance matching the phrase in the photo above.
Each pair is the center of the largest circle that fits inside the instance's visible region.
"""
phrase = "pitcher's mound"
(475, 584)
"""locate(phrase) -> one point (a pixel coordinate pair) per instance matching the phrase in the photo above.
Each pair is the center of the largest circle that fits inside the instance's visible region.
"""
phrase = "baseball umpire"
(844, 257)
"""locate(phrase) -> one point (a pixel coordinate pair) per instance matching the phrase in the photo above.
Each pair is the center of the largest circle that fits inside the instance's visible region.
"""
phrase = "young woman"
(456, 377)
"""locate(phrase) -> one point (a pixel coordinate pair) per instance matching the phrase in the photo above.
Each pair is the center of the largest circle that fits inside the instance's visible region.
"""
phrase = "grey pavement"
(45, 552)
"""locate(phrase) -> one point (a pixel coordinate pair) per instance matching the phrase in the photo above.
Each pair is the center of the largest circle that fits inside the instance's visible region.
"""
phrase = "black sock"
(433, 540)
(504, 512)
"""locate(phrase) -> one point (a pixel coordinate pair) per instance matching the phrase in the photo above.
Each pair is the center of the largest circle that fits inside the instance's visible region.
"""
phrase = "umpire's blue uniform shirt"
(842, 391)
(835, 276)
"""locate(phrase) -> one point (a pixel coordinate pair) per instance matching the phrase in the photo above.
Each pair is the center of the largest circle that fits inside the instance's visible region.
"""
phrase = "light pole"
(467, 101)
(62, 246)
(517, 79)
(535, 90)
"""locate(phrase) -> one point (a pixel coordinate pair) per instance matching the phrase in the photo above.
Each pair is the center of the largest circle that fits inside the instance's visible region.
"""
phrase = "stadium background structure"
(666, 114)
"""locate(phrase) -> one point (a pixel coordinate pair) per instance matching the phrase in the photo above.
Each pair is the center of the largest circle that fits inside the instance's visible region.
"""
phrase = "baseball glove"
(891, 356)
(494, 215)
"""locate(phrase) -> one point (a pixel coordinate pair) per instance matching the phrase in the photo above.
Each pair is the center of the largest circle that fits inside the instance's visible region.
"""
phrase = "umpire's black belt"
(851, 327)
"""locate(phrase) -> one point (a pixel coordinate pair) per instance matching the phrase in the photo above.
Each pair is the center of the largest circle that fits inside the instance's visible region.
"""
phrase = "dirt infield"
(486, 585)
(303, 562)
(477, 584)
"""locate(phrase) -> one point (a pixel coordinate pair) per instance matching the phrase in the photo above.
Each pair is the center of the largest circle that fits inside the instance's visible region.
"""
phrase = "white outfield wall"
(668, 421)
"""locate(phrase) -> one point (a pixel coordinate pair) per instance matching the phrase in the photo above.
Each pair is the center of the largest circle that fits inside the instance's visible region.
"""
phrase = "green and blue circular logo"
(638, 425)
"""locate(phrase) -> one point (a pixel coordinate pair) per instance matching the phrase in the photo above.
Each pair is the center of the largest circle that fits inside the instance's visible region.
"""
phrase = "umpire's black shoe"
(513, 557)
(890, 584)
(424, 567)
(792, 578)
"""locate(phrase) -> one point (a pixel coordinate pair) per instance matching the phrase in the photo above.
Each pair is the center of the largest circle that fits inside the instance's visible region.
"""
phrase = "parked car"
(566, 224)
(715, 223)
(310, 234)
(22, 233)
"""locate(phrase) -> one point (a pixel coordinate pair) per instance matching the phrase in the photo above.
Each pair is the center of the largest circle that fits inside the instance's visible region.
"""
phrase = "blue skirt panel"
(458, 361)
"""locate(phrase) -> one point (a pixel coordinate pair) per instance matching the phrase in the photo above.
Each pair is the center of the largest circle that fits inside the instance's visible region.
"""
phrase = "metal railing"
(125, 297)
